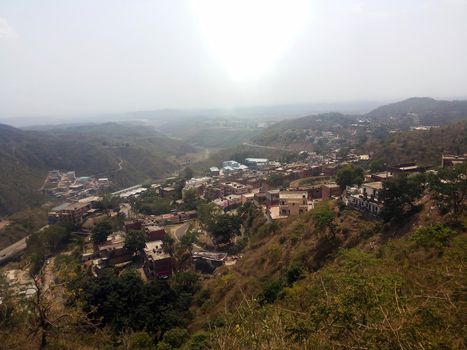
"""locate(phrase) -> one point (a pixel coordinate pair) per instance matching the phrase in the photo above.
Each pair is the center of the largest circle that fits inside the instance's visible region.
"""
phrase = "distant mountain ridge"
(428, 110)
(26, 156)
(414, 111)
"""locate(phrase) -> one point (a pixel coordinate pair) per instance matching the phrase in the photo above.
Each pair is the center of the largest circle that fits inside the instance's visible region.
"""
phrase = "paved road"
(13, 250)
(181, 231)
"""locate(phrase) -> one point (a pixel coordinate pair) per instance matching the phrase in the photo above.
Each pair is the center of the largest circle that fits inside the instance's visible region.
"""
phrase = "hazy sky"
(60, 57)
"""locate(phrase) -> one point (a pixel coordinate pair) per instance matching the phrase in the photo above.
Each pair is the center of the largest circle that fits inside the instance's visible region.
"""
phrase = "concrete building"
(272, 196)
(232, 166)
(453, 160)
(293, 203)
(365, 198)
(214, 171)
(73, 213)
(154, 233)
(330, 190)
(405, 168)
(157, 263)
(256, 163)
(113, 249)
(234, 188)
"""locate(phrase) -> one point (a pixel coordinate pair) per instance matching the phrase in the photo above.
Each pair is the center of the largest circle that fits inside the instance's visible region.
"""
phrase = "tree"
(276, 180)
(101, 231)
(349, 175)
(188, 239)
(449, 186)
(206, 213)
(377, 165)
(109, 202)
(187, 173)
(224, 227)
(323, 217)
(135, 241)
(168, 244)
(189, 199)
(399, 195)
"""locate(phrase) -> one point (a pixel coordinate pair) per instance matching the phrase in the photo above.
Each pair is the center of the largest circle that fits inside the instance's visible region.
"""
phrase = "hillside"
(302, 132)
(26, 156)
(306, 132)
(421, 110)
(422, 146)
(359, 285)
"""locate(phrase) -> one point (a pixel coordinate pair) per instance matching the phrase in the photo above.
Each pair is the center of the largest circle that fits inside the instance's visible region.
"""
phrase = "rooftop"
(154, 250)
(292, 195)
(375, 185)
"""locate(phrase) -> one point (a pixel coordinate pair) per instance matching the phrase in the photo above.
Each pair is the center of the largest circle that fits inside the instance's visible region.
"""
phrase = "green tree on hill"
(399, 195)
(323, 217)
(449, 186)
(135, 241)
(101, 231)
(349, 175)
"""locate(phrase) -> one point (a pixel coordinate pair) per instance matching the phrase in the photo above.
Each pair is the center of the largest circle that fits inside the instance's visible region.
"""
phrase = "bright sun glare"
(250, 36)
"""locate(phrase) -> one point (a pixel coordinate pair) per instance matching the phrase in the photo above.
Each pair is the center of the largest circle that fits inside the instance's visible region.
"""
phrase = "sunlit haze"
(62, 58)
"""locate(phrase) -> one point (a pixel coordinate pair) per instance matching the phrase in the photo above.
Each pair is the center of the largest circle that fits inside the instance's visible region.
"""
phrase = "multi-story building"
(330, 190)
(365, 198)
(157, 263)
(453, 160)
(293, 203)
(234, 188)
(73, 213)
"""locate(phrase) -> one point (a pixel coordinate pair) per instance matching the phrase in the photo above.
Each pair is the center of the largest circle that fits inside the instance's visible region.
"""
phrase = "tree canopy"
(135, 240)
(349, 175)
(399, 195)
(101, 231)
(449, 186)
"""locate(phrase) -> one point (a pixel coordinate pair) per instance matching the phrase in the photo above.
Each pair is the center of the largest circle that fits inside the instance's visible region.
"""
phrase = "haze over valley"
(216, 174)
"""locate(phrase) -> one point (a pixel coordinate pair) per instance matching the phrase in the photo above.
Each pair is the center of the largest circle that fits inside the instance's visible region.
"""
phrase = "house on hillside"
(365, 198)
(157, 263)
(293, 203)
(453, 160)
(73, 213)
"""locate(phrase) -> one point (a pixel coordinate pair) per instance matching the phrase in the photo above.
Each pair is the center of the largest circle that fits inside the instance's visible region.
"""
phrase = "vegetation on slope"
(424, 147)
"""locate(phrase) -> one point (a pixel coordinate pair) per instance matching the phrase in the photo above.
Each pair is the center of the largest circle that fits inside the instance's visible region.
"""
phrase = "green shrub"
(436, 236)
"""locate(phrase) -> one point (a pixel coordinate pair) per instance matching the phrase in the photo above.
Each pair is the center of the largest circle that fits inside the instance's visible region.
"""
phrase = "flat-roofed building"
(234, 188)
(293, 203)
(365, 198)
(406, 168)
(272, 196)
(157, 263)
(256, 163)
(214, 171)
(154, 233)
(330, 190)
(73, 213)
(453, 160)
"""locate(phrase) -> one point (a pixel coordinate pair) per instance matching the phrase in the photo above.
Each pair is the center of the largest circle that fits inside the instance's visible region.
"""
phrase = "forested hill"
(26, 156)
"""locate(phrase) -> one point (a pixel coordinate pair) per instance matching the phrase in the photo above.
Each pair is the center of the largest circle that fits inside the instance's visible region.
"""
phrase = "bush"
(294, 273)
(271, 291)
(436, 236)
(176, 337)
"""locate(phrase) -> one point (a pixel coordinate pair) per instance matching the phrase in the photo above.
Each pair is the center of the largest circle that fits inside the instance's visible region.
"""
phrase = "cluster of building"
(228, 188)
(66, 185)
(112, 253)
